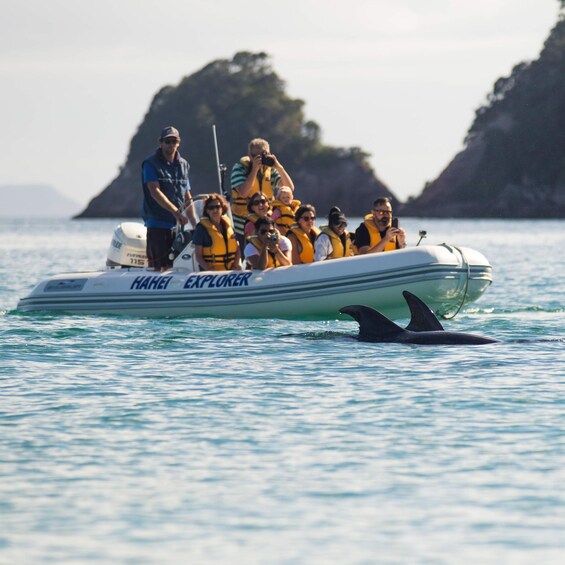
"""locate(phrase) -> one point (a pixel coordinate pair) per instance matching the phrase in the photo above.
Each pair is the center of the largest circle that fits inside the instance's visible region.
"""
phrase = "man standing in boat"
(259, 171)
(377, 233)
(166, 190)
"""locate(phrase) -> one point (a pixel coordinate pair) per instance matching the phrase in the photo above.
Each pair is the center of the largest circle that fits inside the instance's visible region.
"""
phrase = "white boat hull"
(445, 277)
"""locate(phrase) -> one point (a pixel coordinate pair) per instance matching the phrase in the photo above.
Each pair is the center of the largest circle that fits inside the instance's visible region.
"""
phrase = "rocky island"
(512, 164)
(244, 98)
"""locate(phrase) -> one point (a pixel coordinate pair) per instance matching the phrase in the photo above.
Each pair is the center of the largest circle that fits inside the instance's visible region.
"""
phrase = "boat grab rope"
(465, 288)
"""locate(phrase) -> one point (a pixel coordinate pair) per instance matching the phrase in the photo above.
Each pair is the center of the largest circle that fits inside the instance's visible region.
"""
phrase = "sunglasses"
(213, 207)
(341, 225)
(308, 218)
(171, 140)
(257, 202)
(263, 232)
(382, 212)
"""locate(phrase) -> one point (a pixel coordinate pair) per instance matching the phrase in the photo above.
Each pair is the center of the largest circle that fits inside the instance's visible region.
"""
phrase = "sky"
(399, 78)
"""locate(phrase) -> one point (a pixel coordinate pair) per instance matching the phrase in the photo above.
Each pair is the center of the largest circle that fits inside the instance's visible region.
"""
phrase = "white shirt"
(284, 243)
(322, 247)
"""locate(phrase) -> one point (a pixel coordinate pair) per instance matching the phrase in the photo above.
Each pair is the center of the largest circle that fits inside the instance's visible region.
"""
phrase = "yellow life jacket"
(306, 242)
(261, 183)
(252, 217)
(375, 235)
(286, 220)
(224, 247)
(271, 257)
(338, 249)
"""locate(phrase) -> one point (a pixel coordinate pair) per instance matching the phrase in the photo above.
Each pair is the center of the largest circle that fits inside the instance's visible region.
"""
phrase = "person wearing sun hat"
(334, 240)
(166, 191)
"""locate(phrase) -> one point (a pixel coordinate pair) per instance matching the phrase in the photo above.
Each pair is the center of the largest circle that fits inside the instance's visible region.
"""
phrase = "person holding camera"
(303, 234)
(259, 171)
(267, 248)
(379, 231)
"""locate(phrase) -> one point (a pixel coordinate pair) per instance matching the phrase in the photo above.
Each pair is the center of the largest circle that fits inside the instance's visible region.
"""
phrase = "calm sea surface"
(158, 441)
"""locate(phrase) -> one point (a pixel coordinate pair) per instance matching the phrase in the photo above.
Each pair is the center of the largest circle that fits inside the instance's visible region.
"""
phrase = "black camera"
(394, 222)
(273, 237)
(266, 160)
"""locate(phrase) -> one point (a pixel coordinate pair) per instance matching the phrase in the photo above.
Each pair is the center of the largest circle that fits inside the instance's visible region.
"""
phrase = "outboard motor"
(128, 246)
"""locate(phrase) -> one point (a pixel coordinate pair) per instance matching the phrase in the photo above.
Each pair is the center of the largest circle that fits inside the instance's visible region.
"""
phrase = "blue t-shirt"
(150, 174)
(201, 236)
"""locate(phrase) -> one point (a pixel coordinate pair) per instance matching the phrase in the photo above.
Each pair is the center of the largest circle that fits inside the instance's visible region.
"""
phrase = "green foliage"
(523, 123)
(514, 161)
(244, 98)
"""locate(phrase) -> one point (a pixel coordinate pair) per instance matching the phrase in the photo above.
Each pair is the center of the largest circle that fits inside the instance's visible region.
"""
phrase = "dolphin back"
(445, 338)
(422, 319)
(373, 326)
(424, 327)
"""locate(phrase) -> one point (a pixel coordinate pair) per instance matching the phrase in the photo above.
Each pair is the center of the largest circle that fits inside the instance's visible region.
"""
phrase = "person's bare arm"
(283, 257)
(295, 254)
(245, 188)
(255, 260)
(189, 208)
(237, 261)
(159, 197)
(377, 248)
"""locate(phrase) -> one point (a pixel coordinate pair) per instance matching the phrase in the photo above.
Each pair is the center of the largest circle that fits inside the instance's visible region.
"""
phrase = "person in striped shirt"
(259, 171)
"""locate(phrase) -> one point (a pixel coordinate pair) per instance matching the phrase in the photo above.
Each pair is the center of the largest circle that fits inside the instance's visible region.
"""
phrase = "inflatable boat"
(444, 276)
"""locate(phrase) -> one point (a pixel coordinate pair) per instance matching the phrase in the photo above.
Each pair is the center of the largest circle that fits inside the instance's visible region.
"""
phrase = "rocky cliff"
(513, 163)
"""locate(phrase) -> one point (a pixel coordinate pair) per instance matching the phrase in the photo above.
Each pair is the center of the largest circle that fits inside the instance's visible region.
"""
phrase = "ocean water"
(165, 441)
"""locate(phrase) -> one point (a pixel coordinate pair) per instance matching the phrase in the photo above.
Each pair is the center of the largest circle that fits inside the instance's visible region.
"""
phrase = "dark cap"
(169, 132)
(336, 216)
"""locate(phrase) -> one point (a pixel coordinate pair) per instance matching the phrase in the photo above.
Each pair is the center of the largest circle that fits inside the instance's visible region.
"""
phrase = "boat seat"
(182, 239)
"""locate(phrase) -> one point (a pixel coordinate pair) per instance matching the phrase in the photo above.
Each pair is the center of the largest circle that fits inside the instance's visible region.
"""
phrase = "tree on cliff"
(513, 164)
(245, 98)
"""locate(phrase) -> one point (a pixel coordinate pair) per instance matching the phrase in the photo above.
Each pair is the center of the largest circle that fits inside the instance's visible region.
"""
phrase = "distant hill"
(35, 201)
(245, 98)
(513, 163)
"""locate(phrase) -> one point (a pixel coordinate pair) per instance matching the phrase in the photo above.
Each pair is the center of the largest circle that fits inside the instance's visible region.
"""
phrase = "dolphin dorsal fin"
(373, 326)
(422, 319)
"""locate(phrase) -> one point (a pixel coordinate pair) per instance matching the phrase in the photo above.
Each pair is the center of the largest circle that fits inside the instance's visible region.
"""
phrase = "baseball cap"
(336, 216)
(169, 131)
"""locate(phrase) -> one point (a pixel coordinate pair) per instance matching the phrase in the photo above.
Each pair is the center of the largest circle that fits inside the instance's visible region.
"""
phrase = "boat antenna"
(221, 173)
(422, 234)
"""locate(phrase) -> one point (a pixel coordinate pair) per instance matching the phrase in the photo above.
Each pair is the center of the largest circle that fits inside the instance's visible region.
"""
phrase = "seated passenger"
(284, 208)
(302, 235)
(376, 233)
(257, 207)
(334, 240)
(215, 244)
(267, 247)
